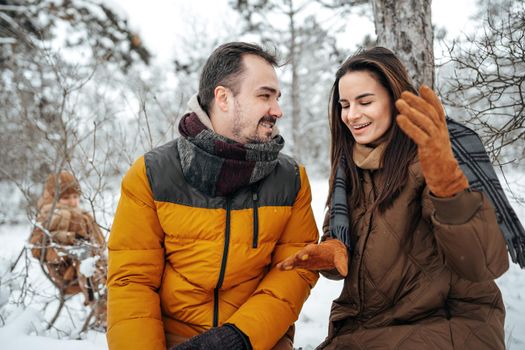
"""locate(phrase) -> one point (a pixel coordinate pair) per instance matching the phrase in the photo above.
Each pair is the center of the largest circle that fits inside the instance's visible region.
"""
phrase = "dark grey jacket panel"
(168, 184)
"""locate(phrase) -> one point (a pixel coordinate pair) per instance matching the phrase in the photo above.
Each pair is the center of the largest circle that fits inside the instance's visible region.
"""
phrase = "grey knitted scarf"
(339, 213)
(218, 166)
(475, 163)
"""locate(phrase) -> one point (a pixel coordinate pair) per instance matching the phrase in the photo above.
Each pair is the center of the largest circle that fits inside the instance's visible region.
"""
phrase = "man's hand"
(423, 120)
(327, 255)
(225, 337)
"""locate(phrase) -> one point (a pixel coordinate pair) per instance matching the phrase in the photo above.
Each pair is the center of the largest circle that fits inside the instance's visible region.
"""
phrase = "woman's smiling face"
(366, 106)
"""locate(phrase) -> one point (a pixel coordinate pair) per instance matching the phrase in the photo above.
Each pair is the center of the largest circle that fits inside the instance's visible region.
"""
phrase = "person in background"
(64, 238)
(418, 249)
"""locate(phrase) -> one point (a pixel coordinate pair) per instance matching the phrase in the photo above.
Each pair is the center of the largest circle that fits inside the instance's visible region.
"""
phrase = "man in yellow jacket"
(203, 221)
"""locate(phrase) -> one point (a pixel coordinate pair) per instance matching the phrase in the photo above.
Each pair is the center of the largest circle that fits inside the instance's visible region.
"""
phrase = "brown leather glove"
(327, 255)
(423, 120)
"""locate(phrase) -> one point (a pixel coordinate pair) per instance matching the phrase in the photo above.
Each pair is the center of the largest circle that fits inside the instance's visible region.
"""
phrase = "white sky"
(159, 22)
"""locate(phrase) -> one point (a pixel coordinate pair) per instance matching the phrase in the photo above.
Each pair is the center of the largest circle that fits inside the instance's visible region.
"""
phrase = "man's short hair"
(223, 68)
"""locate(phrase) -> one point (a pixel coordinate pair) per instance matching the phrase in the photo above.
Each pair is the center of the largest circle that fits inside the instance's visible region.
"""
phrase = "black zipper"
(255, 198)
(223, 265)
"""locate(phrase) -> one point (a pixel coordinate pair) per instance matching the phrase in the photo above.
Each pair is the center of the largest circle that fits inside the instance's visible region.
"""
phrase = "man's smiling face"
(255, 109)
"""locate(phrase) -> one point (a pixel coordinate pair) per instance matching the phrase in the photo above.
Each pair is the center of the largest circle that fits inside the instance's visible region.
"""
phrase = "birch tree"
(405, 27)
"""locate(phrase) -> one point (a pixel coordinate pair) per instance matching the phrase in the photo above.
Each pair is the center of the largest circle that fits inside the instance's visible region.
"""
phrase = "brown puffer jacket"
(421, 274)
(62, 238)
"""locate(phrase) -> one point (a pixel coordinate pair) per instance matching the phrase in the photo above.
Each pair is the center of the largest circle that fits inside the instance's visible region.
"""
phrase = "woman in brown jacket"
(424, 248)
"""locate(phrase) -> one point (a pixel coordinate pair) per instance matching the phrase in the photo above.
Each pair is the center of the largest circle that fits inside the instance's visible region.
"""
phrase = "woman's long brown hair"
(400, 149)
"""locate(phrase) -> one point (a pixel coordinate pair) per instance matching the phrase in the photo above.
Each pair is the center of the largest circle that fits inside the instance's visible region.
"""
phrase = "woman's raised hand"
(422, 118)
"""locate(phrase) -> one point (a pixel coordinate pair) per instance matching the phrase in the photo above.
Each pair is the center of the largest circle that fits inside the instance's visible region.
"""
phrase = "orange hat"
(67, 184)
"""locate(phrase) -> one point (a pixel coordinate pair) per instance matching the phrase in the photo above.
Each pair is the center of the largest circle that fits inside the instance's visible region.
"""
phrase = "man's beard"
(239, 126)
(268, 135)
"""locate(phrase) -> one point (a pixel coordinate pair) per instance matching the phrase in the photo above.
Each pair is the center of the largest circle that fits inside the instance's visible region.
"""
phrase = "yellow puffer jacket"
(181, 262)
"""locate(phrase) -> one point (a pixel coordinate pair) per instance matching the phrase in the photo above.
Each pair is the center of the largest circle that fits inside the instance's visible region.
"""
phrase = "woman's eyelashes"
(362, 103)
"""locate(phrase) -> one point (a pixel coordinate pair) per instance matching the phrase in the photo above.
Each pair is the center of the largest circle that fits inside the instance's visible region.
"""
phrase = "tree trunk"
(405, 27)
(296, 106)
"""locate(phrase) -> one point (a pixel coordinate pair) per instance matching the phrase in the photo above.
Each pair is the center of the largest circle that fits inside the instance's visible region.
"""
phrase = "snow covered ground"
(23, 328)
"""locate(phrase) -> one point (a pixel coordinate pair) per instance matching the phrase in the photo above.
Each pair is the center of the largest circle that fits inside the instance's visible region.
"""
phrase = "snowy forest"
(81, 90)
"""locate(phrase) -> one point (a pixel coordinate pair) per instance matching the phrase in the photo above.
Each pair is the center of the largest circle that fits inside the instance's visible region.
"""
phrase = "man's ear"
(222, 97)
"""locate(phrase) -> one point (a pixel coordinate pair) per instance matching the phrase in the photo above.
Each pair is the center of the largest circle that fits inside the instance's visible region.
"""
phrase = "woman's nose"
(350, 114)
(354, 113)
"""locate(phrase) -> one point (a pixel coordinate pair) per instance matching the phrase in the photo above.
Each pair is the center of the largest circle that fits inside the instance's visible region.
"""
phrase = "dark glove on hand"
(225, 337)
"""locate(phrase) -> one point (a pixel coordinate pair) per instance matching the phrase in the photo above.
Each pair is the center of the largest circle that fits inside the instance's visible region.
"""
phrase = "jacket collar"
(194, 106)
